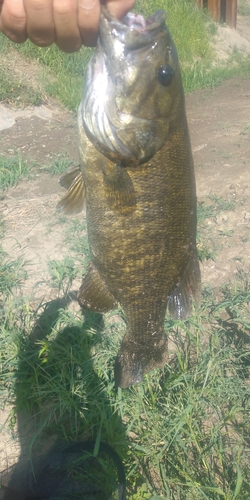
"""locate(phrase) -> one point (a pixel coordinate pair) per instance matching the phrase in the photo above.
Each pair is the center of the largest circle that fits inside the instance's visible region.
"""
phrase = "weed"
(204, 74)
(245, 129)
(77, 240)
(187, 27)
(62, 274)
(226, 232)
(12, 273)
(63, 73)
(59, 165)
(67, 88)
(244, 8)
(205, 250)
(244, 239)
(183, 432)
(12, 169)
(191, 29)
(225, 154)
(212, 206)
(222, 204)
(16, 93)
(1, 228)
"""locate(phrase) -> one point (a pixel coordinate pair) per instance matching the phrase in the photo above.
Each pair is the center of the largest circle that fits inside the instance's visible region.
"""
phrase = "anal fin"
(73, 201)
(188, 290)
(94, 293)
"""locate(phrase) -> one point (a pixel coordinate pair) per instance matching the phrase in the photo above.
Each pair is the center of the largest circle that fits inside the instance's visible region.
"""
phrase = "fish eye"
(165, 74)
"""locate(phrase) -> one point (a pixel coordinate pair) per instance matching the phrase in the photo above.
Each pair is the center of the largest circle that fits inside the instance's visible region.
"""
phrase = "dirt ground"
(219, 122)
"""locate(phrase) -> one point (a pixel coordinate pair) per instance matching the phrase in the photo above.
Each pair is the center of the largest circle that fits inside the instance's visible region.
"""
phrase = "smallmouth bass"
(137, 179)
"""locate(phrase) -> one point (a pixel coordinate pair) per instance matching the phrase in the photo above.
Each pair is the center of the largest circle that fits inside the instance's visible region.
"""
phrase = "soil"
(219, 123)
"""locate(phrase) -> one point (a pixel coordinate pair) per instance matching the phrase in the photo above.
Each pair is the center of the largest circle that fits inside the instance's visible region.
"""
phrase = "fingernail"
(87, 4)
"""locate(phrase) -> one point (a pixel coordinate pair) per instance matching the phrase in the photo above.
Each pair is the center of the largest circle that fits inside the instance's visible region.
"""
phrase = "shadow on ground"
(63, 402)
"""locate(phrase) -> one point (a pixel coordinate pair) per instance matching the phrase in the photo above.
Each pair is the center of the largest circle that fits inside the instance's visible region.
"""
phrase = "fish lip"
(133, 30)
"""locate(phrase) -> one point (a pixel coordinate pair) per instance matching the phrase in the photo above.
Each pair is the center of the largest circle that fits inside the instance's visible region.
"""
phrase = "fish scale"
(140, 193)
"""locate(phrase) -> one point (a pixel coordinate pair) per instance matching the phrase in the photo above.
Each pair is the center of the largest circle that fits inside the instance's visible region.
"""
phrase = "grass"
(244, 8)
(76, 235)
(192, 31)
(12, 169)
(213, 205)
(15, 93)
(16, 167)
(207, 75)
(189, 27)
(59, 165)
(68, 86)
(182, 433)
(12, 273)
(62, 274)
(210, 208)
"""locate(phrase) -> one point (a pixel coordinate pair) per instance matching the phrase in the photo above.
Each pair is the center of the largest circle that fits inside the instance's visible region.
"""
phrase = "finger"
(40, 24)
(88, 21)
(118, 8)
(68, 37)
(13, 20)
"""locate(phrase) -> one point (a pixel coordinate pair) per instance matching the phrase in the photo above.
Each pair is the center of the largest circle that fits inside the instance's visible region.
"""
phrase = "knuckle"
(37, 5)
(63, 8)
(14, 20)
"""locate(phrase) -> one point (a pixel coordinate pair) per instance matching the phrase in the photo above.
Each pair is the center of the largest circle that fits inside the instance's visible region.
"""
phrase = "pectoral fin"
(73, 201)
(188, 290)
(68, 177)
(94, 293)
(119, 188)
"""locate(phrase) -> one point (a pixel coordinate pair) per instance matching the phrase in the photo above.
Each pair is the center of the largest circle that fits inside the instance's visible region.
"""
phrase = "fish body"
(137, 169)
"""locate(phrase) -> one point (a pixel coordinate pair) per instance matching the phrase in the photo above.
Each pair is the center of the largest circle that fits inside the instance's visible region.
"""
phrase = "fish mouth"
(133, 30)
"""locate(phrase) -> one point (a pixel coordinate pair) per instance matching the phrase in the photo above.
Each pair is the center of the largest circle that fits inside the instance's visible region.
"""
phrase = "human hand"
(68, 23)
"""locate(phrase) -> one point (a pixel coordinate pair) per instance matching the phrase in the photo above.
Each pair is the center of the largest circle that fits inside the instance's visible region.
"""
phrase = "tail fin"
(135, 359)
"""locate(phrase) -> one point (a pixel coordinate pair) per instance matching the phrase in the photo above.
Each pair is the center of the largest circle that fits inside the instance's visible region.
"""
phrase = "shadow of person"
(62, 398)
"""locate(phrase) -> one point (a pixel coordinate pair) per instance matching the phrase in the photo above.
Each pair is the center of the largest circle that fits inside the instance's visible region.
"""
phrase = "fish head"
(133, 89)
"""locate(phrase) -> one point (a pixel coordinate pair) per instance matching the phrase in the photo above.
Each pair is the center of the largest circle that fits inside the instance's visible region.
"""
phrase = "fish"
(137, 180)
